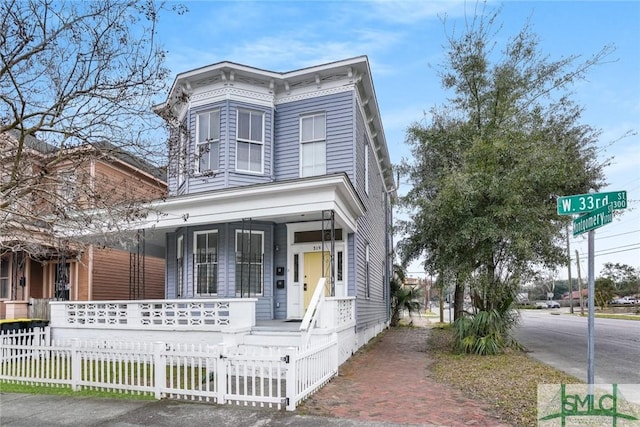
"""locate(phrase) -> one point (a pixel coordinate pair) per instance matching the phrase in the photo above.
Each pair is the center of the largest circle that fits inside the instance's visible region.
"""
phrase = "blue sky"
(405, 41)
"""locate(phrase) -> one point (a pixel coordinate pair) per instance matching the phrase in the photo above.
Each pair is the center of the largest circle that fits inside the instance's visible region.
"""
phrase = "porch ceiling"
(284, 201)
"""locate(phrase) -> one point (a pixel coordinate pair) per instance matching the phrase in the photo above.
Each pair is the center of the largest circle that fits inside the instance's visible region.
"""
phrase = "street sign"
(592, 220)
(582, 203)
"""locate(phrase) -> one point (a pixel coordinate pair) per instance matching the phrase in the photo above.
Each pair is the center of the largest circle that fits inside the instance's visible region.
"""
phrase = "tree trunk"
(458, 298)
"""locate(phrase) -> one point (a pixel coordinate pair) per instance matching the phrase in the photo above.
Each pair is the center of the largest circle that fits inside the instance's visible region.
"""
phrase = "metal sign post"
(597, 210)
(591, 302)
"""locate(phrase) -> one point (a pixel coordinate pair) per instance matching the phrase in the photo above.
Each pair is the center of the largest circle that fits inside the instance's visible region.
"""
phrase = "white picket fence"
(275, 377)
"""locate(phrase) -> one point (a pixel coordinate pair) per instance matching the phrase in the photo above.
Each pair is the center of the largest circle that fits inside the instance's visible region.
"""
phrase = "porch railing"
(312, 314)
(199, 314)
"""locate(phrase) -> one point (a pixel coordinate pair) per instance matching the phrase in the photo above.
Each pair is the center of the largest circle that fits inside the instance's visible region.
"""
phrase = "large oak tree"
(488, 165)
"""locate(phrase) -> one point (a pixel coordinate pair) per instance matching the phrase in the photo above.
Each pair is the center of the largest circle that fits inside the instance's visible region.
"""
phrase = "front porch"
(212, 321)
(210, 350)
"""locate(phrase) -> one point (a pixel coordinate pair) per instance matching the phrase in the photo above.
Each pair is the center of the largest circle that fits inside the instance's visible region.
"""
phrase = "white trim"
(269, 201)
(234, 94)
(312, 141)
(366, 168)
(249, 140)
(235, 243)
(295, 294)
(195, 264)
(313, 93)
(208, 141)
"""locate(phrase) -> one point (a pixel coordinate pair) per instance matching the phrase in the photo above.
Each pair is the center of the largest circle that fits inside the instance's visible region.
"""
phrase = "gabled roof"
(105, 148)
(278, 84)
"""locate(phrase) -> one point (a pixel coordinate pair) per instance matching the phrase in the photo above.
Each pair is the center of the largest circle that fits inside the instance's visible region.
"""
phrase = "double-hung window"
(313, 145)
(249, 262)
(208, 140)
(205, 255)
(367, 272)
(250, 141)
(5, 291)
(366, 168)
(182, 156)
(67, 187)
(179, 265)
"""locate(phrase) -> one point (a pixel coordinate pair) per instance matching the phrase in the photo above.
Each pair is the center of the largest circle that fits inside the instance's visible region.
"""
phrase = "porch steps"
(271, 338)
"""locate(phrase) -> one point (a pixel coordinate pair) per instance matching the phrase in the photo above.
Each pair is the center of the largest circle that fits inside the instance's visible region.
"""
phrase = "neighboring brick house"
(278, 179)
(58, 269)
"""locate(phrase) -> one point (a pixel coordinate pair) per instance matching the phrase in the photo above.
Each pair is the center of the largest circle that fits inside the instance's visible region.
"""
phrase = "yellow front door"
(313, 271)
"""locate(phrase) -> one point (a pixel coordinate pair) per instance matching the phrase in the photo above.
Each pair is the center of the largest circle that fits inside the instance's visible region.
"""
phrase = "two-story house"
(35, 262)
(277, 179)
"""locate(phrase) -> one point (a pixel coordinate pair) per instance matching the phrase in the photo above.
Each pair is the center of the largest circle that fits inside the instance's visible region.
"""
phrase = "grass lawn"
(508, 382)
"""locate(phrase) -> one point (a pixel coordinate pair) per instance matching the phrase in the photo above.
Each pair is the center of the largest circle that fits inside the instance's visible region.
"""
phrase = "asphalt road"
(560, 340)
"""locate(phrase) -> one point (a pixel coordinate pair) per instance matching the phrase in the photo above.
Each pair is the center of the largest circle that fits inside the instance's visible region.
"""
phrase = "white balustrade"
(188, 314)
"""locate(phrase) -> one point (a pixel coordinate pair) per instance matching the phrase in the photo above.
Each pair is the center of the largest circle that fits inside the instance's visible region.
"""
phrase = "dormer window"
(208, 141)
(250, 141)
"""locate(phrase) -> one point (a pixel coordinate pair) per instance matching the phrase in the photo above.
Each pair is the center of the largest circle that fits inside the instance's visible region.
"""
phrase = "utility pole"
(579, 283)
(569, 271)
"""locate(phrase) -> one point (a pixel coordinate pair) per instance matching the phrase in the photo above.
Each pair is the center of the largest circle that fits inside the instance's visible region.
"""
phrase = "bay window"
(250, 141)
(208, 140)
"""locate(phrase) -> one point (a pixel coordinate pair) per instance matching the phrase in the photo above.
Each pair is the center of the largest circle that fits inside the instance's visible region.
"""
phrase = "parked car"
(624, 300)
(553, 304)
(540, 304)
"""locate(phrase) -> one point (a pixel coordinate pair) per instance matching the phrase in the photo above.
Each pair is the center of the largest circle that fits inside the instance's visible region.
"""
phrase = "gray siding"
(226, 175)
(280, 260)
(234, 178)
(226, 263)
(339, 119)
(371, 309)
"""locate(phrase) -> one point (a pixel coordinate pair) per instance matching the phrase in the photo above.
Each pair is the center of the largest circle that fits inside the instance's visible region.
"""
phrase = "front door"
(313, 271)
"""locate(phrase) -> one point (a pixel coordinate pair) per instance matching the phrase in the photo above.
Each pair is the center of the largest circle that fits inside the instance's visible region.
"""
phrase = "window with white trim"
(366, 168)
(313, 145)
(182, 157)
(208, 141)
(205, 262)
(250, 141)
(4, 278)
(249, 262)
(179, 265)
(367, 277)
(68, 186)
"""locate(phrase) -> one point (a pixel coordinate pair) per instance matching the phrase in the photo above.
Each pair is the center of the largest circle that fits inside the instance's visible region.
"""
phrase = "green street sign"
(582, 203)
(594, 219)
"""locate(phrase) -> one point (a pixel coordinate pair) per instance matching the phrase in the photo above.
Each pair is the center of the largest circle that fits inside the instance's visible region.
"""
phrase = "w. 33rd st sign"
(582, 203)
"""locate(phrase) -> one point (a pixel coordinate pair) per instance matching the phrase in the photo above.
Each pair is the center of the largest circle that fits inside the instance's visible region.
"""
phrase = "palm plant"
(403, 297)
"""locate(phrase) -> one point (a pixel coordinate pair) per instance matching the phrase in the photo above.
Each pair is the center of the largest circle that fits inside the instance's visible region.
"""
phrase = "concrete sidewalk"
(27, 410)
(387, 384)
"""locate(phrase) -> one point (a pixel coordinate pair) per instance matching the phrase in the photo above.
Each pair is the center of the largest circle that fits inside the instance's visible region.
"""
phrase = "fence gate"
(254, 376)
(39, 308)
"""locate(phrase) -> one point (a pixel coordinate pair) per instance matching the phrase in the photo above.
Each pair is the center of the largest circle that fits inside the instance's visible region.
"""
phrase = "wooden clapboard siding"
(339, 134)
(82, 279)
(372, 230)
(36, 277)
(111, 276)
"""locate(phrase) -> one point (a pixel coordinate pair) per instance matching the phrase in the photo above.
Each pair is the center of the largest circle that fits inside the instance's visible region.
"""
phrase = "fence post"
(336, 353)
(291, 378)
(76, 365)
(47, 336)
(159, 368)
(221, 375)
